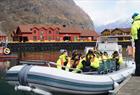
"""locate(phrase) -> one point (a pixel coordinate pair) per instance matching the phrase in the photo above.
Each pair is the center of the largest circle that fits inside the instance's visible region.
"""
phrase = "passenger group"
(89, 62)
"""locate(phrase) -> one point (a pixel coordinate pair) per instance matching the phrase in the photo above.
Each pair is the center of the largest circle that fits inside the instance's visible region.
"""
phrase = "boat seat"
(113, 65)
(101, 68)
(107, 66)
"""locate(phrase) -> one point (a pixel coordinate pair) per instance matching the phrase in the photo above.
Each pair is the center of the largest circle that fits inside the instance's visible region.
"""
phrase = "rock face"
(59, 12)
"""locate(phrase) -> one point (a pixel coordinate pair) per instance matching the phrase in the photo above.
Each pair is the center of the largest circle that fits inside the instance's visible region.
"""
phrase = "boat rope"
(22, 75)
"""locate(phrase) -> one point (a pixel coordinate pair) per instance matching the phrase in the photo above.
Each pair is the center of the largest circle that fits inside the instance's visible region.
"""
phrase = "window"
(42, 38)
(34, 31)
(50, 32)
(75, 38)
(57, 38)
(49, 38)
(41, 32)
(57, 32)
(34, 38)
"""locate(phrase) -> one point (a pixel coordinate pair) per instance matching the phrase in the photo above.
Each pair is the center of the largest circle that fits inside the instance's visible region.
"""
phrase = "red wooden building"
(36, 33)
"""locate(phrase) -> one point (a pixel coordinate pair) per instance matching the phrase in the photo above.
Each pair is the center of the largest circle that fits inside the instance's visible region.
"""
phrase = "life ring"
(6, 51)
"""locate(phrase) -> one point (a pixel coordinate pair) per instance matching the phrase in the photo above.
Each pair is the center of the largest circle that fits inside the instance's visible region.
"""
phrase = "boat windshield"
(109, 45)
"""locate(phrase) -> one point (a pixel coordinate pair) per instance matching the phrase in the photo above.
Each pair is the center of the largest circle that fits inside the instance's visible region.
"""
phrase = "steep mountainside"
(63, 12)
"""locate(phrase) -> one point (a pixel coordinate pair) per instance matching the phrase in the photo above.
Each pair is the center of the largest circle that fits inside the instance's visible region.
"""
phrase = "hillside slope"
(63, 12)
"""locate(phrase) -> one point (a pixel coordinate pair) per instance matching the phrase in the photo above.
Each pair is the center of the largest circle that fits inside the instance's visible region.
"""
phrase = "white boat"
(42, 80)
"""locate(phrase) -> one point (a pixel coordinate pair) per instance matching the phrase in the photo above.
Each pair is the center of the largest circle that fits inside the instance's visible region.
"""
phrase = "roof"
(89, 33)
(25, 28)
(29, 27)
(124, 29)
(106, 30)
(70, 30)
(121, 29)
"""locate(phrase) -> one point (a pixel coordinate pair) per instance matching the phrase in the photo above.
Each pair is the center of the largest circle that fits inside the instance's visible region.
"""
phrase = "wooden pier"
(43, 46)
(132, 87)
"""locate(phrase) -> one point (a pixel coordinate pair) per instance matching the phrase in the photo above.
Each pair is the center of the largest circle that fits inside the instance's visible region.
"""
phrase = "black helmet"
(90, 51)
(134, 15)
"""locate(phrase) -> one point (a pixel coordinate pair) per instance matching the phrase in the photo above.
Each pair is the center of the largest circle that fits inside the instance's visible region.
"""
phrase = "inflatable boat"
(50, 79)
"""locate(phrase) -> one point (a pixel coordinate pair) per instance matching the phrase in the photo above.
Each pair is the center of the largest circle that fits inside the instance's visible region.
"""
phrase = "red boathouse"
(44, 33)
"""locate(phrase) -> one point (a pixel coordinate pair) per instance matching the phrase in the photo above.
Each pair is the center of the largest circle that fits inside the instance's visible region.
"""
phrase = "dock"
(132, 87)
(43, 46)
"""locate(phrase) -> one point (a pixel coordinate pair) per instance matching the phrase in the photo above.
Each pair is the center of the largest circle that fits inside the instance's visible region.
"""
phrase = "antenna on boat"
(96, 45)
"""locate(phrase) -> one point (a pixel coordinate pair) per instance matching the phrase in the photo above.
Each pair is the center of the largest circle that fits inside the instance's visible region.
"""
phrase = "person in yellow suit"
(106, 56)
(135, 33)
(89, 63)
(118, 59)
(63, 61)
(95, 63)
(75, 59)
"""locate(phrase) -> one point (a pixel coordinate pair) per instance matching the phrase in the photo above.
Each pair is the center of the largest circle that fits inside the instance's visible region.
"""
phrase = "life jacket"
(105, 57)
(62, 61)
(86, 61)
(85, 65)
(75, 63)
(90, 65)
(135, 29)
(95, 63)
(118, 59)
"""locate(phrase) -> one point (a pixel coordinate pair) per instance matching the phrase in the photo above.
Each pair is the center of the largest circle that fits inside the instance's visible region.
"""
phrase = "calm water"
(5, 64)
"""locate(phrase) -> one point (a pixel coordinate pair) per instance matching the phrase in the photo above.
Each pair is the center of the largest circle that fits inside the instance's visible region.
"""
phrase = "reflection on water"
(46, 55)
